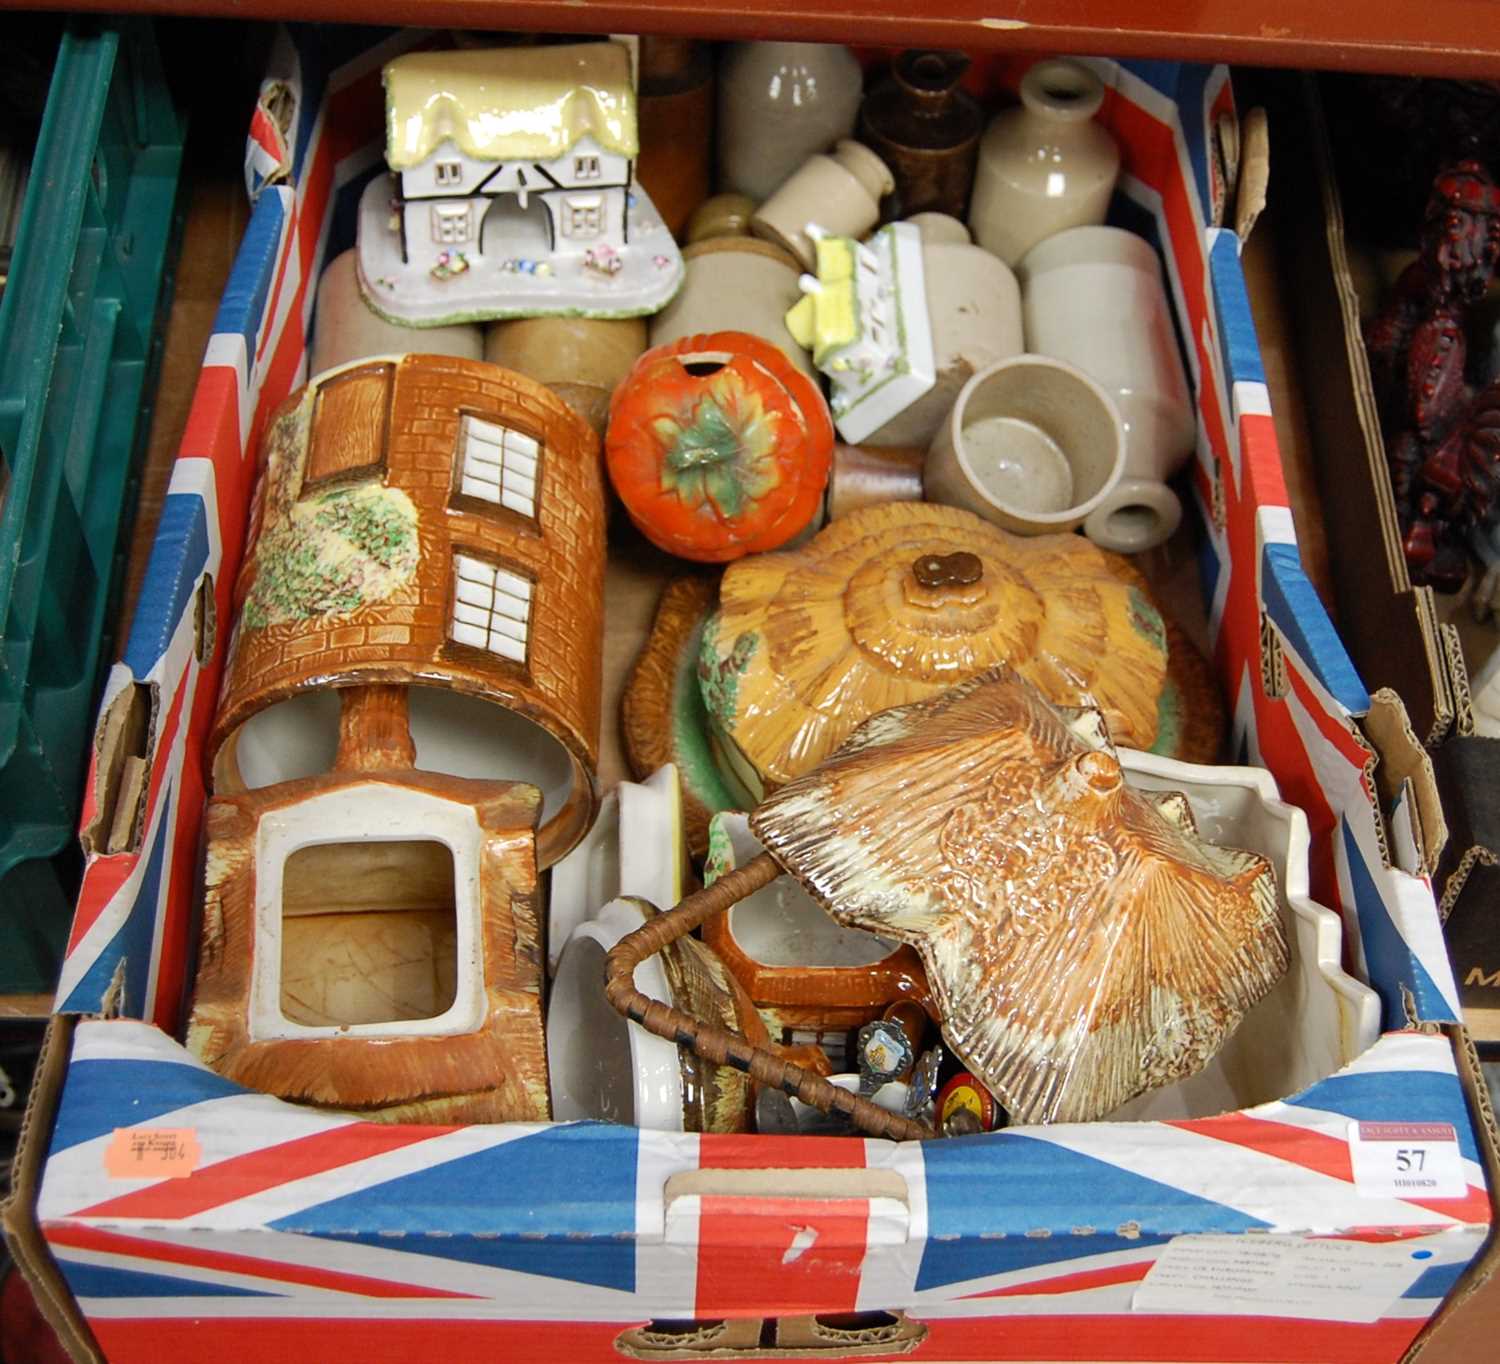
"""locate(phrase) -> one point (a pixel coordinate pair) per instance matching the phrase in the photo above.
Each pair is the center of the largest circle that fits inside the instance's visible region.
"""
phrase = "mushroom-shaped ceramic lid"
(1082, 943)
(899, 602)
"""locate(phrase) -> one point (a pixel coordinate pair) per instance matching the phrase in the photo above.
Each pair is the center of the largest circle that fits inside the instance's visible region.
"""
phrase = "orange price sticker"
(152, 1153)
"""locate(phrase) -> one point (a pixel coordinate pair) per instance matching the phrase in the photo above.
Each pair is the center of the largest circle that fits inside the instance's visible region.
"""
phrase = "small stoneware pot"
(926, 130)
(1046, 165)
(840, 192)
(346, 329)
(1032, 444)
(1093, 296)
(941, 229)
(580, 359)
(722, 215)
(735, 284)
(974, 304)
(778, 104)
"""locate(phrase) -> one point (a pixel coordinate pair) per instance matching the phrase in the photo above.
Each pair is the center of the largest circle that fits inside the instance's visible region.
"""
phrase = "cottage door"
(510, 232)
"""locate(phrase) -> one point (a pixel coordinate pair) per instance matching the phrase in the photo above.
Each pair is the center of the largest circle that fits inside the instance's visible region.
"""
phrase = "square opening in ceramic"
(368, 933)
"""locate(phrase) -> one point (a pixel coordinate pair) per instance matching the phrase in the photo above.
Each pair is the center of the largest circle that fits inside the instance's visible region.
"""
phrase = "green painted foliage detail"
(330, 557)
(719, 677)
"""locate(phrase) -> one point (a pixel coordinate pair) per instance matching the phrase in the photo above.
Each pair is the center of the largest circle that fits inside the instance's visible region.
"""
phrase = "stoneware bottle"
(1094, 296)
(840, 192)
(346, 329)
(1046, 165)
(926, 130)
(778, 104)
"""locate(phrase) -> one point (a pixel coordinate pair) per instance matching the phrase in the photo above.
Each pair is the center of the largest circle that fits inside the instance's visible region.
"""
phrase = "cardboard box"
(1395, 632)
(304, 1234)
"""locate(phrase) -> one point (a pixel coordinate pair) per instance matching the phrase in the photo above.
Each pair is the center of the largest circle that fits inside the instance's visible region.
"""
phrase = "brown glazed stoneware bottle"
(676, 125)
(926, 130)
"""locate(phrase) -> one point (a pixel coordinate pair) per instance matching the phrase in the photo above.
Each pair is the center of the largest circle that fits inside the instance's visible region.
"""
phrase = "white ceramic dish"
(1333, 1017)
(635, 847)
(600, 1064)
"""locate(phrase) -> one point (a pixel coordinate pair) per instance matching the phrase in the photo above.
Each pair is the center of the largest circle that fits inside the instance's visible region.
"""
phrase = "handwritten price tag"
(152, 1153)
(1407, 1160)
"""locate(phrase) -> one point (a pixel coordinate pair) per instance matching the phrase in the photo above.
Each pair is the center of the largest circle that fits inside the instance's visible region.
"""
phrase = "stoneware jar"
(840, 192)
(926, 130)
(580, 359)
(1093, 296)
(778, 104)
(974, 304)
(347, 329)
(1032, 444)
(735, 284)
(1046, 165)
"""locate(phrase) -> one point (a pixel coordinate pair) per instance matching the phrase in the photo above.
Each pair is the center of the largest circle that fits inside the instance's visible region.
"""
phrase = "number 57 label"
(1417, 1160)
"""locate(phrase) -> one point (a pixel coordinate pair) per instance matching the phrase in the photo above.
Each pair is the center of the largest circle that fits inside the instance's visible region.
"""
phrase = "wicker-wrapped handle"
(715, 1044)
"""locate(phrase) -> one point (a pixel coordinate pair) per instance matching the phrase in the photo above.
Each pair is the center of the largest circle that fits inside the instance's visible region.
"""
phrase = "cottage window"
(448, 172)
(498, 464)
(451, 223)
(491, 608)
(583, 216)
(585, 167)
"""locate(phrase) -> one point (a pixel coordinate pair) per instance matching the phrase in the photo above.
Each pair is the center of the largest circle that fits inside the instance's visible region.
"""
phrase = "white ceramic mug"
(1032, 444)
(1094, 296)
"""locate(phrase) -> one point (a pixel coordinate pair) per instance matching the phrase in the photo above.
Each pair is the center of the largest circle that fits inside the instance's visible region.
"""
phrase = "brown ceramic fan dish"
(1082, 943)
(899, 602)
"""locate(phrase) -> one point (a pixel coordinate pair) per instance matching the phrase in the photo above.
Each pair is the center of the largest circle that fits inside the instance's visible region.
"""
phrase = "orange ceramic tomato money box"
(718, 446)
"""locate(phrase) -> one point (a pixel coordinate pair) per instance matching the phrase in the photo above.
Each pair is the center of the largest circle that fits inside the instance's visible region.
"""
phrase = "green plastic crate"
(79, 343)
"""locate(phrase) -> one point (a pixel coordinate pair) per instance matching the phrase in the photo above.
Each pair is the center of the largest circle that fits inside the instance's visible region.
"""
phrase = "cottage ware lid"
(1083, 944)
(509, 104)
(899, 602)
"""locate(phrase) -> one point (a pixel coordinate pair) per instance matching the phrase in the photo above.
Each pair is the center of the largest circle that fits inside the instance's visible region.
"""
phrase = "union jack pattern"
(301, 1234)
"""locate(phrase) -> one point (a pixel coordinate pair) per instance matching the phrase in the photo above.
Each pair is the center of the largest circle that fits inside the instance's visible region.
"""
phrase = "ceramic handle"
(1139, 514)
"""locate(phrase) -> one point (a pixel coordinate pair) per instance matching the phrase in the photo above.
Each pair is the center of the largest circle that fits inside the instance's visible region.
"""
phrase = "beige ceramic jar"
(346, 329)
(840, 192)
(580, 359)
(1045, 166)
(974, 308)
(735, 284)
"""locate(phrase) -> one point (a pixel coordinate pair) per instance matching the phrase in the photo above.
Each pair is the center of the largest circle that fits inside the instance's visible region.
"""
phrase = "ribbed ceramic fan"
(897, 603)
(1083, 944)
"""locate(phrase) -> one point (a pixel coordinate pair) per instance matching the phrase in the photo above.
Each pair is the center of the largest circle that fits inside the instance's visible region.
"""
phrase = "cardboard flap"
(1404, 768)
(1393, 641)
(22, 1235)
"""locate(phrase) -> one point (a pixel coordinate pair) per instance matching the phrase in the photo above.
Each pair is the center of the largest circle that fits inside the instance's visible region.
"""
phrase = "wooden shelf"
(1427, 37)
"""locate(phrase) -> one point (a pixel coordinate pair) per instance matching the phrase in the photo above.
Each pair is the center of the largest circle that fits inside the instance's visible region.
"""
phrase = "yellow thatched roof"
(509, 104)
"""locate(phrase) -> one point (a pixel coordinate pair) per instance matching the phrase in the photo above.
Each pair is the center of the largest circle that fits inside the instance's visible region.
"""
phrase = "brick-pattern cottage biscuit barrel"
(408, 733)
(436, 523)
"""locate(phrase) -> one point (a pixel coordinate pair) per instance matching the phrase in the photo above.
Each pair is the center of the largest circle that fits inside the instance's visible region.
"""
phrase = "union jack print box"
(1329, 1224)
